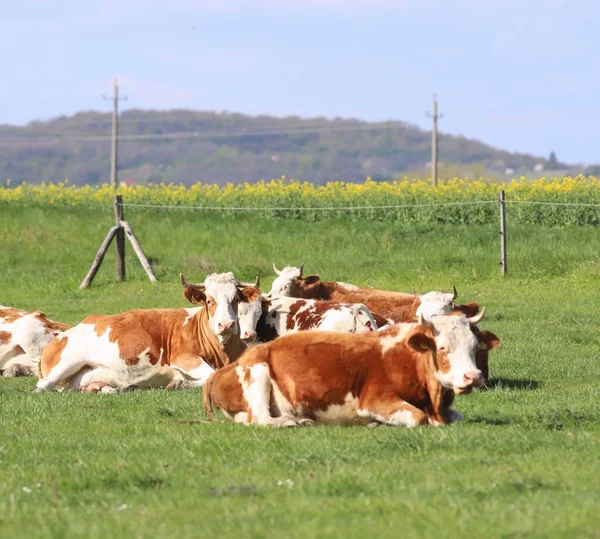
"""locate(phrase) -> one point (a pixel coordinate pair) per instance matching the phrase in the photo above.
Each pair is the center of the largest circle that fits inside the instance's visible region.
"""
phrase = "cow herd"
(306, 352)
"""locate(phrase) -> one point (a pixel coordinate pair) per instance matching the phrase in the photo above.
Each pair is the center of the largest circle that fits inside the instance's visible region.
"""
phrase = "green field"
(524, 463)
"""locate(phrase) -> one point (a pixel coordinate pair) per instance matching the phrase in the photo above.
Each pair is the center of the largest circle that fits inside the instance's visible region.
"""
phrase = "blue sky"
(521, 75)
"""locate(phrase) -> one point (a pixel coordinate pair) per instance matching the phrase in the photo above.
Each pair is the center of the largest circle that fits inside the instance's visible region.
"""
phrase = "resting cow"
(266, 319)
(406, 374)
(152, 347)
(23, 336)
(393, 306)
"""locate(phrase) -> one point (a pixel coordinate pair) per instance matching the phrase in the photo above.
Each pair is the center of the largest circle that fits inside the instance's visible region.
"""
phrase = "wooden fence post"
(121, 230)
(118, 207)
(502, 202)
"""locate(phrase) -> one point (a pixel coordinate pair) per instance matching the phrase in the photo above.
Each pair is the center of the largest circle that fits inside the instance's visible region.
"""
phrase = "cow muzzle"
(471, 379)
(226, 329)
(249, 336)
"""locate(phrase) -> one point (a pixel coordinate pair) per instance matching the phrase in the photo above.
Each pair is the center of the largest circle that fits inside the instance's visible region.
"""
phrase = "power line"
(206, 134)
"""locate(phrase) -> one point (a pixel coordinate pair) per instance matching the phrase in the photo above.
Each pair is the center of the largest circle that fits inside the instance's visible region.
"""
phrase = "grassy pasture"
(524, 462)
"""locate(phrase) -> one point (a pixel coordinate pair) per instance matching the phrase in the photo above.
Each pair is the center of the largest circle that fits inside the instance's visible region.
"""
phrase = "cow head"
(436, 303)
(454, 346)
(249, 314)
(220, 293)
(283, 284)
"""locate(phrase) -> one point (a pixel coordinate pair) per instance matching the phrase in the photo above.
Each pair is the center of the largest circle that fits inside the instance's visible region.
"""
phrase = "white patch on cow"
(400, 417)
(346, 286)
(389, 342)
(85, 349)
(192, 311)
(249, 314)
(195, 377)
(282, 407)
(29, 337)
(344, 318)
(223, 288)
(454, 334)
(257, 393)
(340, 414)
(434, 304)
(145, 355)
(282, 285)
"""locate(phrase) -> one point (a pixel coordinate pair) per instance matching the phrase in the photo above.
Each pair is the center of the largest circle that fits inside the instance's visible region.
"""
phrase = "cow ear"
(194, 295)
(248, 293)
(487, 340)
(468, 309)
(311, 280)
(421, 342)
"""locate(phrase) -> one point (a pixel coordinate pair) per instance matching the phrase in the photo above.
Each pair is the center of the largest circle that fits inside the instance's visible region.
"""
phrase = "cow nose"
(474, 378)
(223, 326)
(249, 336)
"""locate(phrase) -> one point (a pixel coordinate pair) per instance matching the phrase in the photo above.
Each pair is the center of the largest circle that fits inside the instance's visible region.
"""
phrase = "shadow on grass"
(508, 383)
(496, 421)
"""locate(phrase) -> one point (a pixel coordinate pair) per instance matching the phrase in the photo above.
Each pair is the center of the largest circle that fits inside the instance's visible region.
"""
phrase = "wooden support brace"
(99, 257)
(138, 250)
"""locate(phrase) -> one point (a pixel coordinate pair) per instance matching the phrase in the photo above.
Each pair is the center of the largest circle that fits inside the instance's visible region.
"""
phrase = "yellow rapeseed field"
(306, 198)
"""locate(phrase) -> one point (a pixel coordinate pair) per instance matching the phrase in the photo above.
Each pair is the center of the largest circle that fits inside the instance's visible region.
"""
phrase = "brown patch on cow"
(57, 327)
(312, 316)
(487, 341)
(5, 337)
(223, 392)
(468, 309)
(51, 355)
(11, 315)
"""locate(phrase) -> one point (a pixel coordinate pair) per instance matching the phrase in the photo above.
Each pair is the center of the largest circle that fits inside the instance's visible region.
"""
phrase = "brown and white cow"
(265, 319)
(407, 374)
(23, 336)
(151, 347)
(394, 306)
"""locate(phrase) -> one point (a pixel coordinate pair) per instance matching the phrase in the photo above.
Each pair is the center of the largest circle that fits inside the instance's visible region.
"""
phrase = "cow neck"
(440, 397)
(209, 347)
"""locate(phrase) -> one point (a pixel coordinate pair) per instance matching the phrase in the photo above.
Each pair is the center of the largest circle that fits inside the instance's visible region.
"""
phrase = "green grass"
(523, 463)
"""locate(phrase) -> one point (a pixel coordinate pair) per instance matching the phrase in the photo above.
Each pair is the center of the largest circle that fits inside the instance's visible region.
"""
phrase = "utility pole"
(434, 140)
(114, 179)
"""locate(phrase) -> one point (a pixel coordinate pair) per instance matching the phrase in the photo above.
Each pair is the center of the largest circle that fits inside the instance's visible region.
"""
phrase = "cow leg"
(391, 410)
(16, 370)
(62, 371)
(190, 377)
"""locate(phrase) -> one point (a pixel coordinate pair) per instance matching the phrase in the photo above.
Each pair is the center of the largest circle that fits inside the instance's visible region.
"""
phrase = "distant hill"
(189, 146)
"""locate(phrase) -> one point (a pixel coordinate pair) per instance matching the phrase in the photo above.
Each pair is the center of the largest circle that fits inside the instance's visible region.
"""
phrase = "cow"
(407, 374)
(23, 336)
(394, 306)
(151, 347)
(265, 319)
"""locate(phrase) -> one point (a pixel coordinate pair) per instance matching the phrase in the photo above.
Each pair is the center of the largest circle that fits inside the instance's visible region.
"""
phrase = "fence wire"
(305, 208)
(351, 208)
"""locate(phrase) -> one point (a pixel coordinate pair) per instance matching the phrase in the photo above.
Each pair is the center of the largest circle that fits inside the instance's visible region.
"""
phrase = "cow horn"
(301, 269)
(423, 322)
(255, 283)
(186, 284)
(455, 292)
(275, 269)
(477, 318)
